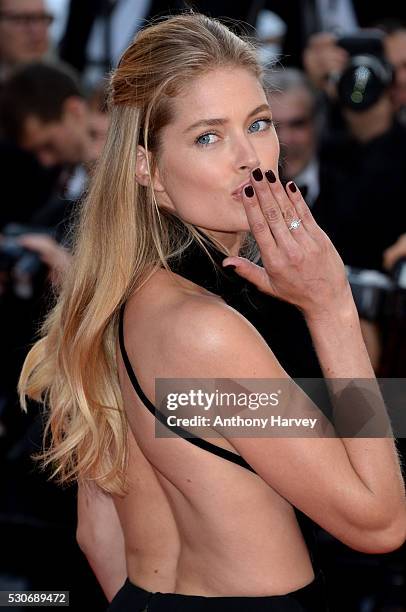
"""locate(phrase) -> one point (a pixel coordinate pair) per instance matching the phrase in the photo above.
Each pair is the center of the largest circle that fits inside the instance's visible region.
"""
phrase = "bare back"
(193, 522)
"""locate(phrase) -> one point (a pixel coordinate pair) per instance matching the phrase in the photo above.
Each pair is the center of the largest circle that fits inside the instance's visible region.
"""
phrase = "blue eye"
(204, 140)
(260, 125)
(266, 123)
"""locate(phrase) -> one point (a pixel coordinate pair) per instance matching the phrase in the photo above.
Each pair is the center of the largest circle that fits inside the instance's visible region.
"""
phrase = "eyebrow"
(214, 122)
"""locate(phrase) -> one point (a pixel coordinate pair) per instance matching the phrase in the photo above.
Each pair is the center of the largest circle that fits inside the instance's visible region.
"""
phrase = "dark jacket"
(362, 203)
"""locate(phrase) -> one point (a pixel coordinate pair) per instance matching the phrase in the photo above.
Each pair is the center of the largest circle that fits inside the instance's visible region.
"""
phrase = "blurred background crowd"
(337, 89)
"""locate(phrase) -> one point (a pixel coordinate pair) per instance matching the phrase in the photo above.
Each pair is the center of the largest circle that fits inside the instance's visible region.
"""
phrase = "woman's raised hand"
(300, 263)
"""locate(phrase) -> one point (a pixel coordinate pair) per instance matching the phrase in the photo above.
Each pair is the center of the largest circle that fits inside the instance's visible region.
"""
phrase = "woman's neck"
(232, 241)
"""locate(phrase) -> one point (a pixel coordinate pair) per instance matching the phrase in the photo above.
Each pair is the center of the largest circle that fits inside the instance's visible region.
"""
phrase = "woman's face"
(222, 129)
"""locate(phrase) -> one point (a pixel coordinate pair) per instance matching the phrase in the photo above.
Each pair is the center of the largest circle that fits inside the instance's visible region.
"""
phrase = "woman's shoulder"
(164, 293)
(169, 305)
(196, 327)
(175, 303)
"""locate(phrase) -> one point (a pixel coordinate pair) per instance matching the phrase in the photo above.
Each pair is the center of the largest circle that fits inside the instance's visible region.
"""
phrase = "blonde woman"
(187, 178)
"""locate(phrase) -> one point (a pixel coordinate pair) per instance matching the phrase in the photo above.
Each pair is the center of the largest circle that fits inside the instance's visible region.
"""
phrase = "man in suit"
(307, 17)
(98, 31)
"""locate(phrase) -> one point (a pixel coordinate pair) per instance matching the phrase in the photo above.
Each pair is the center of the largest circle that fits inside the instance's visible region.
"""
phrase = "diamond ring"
(295, 224)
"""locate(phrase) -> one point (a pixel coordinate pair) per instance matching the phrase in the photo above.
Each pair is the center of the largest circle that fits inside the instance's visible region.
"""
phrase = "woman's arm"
(352, 487)
(100, 538)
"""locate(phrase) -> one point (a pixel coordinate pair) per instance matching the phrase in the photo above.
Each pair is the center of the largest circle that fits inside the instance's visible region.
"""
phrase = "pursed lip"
(239, 189)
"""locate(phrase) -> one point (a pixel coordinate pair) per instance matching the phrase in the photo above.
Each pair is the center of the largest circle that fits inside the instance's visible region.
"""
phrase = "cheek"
(14, 44)
(299, 139)
(61, 141)
(193, 172)
(69, 139)
(401, 75)
(308, 139)
(196, 186)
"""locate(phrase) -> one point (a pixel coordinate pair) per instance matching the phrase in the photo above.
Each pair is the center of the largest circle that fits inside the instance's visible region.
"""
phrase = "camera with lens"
(377, 295)
(20, 267)
(367, 75)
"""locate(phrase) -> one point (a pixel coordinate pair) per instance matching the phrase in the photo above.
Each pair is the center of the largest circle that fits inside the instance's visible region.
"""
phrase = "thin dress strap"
(179, 431)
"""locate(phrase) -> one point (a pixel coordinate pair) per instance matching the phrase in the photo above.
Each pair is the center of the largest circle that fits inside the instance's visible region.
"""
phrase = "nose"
(246, 157)
(37, 30)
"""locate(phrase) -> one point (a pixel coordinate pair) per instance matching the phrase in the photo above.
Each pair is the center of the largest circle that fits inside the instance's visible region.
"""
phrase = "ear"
(142, 174)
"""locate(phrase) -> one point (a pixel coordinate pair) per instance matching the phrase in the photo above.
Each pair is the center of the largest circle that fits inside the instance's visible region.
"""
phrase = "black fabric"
(361, 202)
(25, 184)
(310, 598)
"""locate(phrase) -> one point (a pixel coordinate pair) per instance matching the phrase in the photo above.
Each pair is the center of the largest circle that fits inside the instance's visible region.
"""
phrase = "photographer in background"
(364, 164)
(61, 129)
(89, 145)
(326, 18)
(326, 57)
(43, 109)
(58, 128)
(395, 51)
(364, 167)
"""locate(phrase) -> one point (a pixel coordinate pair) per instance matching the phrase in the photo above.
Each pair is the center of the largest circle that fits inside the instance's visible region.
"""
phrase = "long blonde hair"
(120, 239)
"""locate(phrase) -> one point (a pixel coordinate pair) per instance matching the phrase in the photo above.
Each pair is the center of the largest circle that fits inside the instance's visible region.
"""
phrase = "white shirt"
(77, 183)
(337, 16)
(310, 177)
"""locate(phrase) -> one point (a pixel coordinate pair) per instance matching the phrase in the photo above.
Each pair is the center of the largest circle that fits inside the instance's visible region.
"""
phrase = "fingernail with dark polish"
(270, 176)
(230, 266)
(292, 187)
(257, 174)
(249, 191)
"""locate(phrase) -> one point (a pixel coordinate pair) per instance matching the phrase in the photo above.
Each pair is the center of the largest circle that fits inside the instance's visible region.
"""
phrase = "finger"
(271, 211)
(304, 213)
(258, 224)
(251, 272)
(287, 207)
(289, 211)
